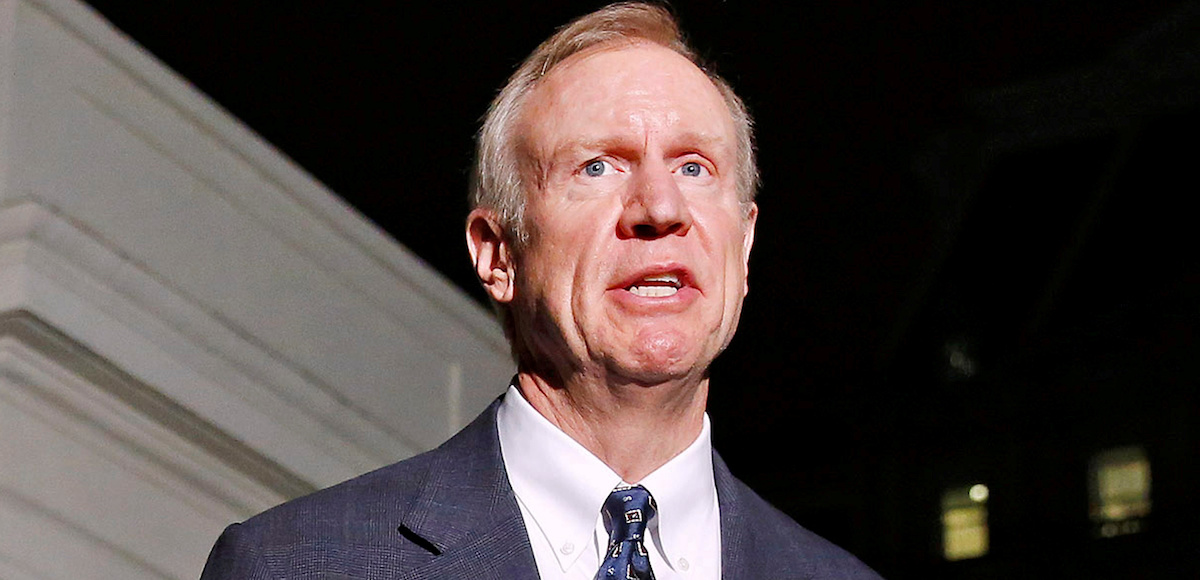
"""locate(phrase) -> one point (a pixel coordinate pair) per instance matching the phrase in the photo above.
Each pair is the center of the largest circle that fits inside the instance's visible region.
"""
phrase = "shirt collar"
(565, 502)
(686, 494)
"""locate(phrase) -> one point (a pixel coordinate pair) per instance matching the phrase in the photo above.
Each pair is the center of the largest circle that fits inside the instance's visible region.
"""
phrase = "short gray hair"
(498, 182)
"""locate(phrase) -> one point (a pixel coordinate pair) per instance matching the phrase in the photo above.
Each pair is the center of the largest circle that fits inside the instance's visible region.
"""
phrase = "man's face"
(636, 266)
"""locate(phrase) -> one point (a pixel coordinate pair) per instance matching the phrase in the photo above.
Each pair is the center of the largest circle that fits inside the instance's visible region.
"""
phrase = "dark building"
(1041, 398)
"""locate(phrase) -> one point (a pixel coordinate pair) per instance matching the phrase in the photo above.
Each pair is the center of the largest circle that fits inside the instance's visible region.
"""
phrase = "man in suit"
(612, 223)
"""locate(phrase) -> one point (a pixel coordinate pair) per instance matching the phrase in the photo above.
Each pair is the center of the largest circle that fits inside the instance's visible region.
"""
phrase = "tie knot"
(629, 509)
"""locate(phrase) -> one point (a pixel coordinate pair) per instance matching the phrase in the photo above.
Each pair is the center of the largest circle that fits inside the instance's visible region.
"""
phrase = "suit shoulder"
(826, 558)
(342, 509)
(363, 520)
(791, 546)
(357, 512)
(351, 509)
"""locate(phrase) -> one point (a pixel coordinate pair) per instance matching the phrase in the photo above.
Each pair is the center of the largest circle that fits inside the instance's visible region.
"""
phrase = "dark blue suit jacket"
(451, 513)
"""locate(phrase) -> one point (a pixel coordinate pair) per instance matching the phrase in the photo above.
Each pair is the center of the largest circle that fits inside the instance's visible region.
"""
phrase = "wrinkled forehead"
(624, 90)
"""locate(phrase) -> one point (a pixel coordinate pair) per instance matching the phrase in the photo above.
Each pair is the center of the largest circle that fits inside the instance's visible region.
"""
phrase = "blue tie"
(627, 510)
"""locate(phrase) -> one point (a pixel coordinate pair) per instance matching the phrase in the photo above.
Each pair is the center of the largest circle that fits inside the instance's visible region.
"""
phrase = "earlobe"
(491, 255)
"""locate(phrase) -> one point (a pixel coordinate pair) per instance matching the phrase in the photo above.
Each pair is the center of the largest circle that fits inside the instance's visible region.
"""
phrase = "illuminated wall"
(192, 329)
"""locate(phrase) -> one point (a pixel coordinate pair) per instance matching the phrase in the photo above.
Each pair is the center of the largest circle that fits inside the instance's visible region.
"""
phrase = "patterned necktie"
(628, 511)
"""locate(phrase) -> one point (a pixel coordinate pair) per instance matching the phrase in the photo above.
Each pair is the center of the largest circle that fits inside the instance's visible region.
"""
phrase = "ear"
(748, 243)
(491, 254)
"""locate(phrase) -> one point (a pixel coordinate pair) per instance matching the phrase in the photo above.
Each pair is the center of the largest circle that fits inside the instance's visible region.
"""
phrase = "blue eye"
(691, 169)
(595, 168)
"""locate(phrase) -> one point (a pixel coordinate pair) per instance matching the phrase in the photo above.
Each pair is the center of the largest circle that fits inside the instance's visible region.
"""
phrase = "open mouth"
(658, 286)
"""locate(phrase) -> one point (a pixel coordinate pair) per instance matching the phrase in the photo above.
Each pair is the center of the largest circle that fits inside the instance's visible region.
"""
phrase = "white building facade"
(192, 329)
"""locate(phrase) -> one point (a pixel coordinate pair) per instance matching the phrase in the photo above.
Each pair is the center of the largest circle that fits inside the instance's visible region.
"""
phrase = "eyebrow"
(684, 142)
(569, 148)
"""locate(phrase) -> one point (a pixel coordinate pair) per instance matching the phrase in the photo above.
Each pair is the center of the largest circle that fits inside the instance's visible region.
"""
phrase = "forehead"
(632, 91)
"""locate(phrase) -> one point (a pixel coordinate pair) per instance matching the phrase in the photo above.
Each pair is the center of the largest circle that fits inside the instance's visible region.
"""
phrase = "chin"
(660, 361)
(648, 377)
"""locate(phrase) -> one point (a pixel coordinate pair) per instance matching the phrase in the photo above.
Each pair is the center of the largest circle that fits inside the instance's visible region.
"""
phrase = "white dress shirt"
(560, 488)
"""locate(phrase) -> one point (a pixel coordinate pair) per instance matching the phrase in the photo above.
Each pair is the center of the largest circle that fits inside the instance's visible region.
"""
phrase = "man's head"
(613, 211)
(499, 182)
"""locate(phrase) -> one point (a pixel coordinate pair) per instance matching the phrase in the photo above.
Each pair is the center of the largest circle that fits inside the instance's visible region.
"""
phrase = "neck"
(632, 428)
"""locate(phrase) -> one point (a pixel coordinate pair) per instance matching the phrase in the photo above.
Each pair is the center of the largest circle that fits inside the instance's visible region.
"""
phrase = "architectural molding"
(111, 470)
(192, 328)
(53, 270)
(111, 400)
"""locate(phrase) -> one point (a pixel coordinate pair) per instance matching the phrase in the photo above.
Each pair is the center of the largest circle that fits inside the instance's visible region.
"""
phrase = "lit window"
(1120, 491)
(964, 522)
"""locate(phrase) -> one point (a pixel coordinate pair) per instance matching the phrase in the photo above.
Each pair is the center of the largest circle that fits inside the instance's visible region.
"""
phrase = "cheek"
(728, 244)
(723, 236)
(560, 273)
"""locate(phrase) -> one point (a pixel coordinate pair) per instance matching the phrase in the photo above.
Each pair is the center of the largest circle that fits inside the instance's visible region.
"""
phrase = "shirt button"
(683, 564)
(567, 548)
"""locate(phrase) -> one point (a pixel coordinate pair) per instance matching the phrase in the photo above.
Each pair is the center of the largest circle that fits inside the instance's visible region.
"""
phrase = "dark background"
(975, 258)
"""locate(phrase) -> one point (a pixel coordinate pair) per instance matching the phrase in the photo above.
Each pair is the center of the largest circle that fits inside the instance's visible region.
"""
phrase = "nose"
(654, 206)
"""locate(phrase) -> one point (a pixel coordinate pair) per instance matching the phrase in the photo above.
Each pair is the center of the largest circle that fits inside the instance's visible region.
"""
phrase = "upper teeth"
(668, 278)
(657, 286)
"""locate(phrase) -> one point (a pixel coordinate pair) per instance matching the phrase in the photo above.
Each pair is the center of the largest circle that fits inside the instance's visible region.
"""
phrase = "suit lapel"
(467, 521)
(500, 552)
(466, 514)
